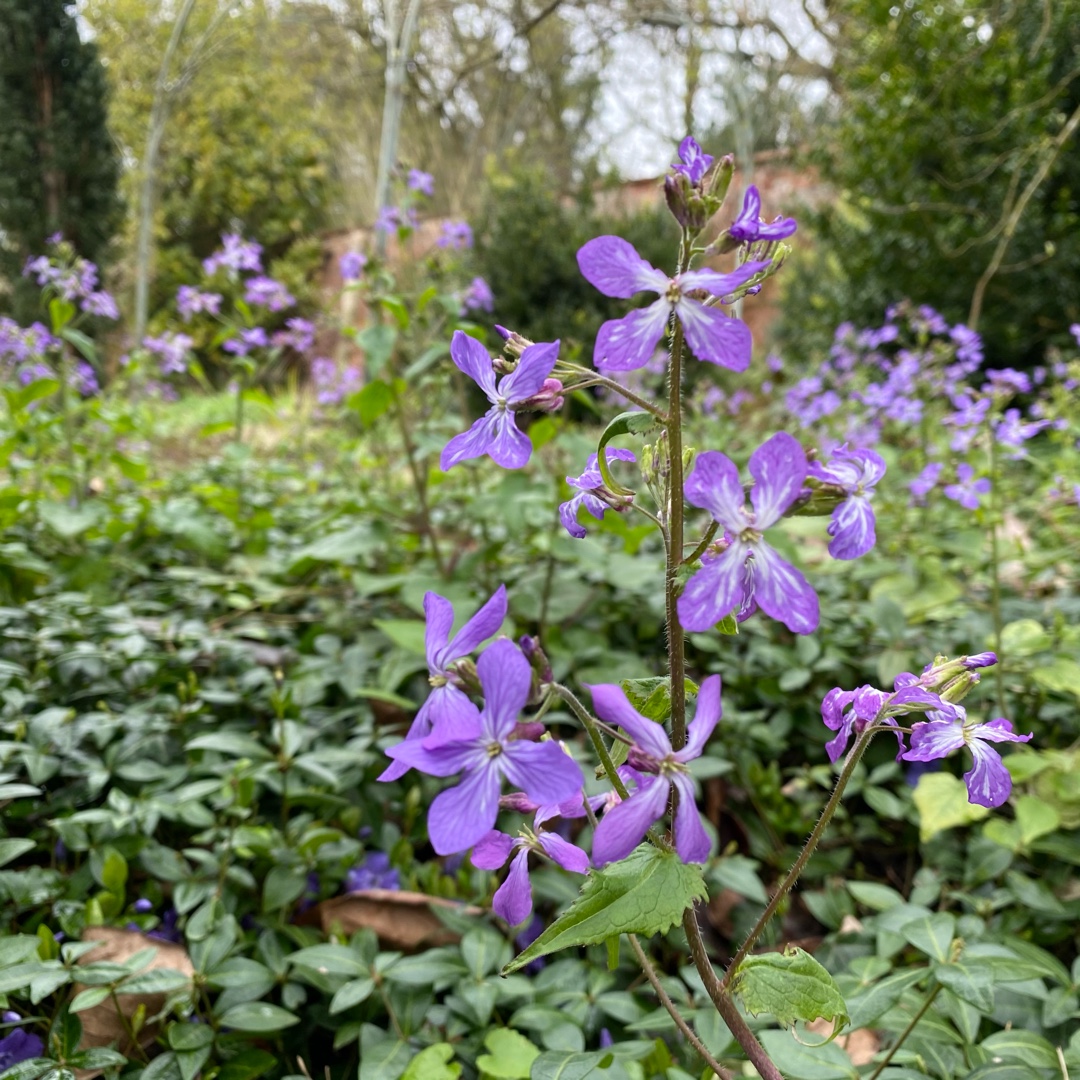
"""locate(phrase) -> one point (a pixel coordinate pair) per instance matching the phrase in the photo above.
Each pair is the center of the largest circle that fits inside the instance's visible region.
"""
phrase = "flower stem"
(706, 540)
(635, 399)
(676, 640)
(995, 574)
(906, 1032)
(811, 844)
(673, 1010)
(584, 716)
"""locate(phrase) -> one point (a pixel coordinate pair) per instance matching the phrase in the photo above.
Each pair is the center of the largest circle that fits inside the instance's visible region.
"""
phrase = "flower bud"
(530, 730)
(648, 464)
(677, 192)
(515, 345)
(960, 687)
(721, 178)
(465, 672)
(537, 658)
(548, 399)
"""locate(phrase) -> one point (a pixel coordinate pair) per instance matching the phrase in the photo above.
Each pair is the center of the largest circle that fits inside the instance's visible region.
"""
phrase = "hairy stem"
(724, 1003)
(811, 844)
(673, 1009)
(906, 1032)
(995, 574)
(675, 638)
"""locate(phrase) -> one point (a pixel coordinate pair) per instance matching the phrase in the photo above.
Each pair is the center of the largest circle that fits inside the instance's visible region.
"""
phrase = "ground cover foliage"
(209, 641)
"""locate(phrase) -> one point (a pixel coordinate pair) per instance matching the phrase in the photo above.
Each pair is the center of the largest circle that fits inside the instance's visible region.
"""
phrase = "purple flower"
(267, 293)
(421, 182)
(623, 826)
(1074, 329)
(988, 782)
(1008, 380)
(19, 1046)
(234, 255)
(592, 494)
(190, 301)
(142, 905)
(255, 338)
(102, 304)
(496, 433)
(352, 265)
(967, 491)
(693, 161)
(1012, 431)
(456, 235)
(613, 266)
(749, 572)
(447, 711)
(852, 525)
(9, 1016)
(969, 346)
(485, 751)
(375, 872)
(171, 349)
(513, 900)
(748, 226)
(84, 379)
(478, 297)
(922, 485)
(167, 930)
(299, 335)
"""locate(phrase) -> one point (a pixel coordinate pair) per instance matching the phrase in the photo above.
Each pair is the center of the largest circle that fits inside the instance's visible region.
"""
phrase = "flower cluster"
(71, 278)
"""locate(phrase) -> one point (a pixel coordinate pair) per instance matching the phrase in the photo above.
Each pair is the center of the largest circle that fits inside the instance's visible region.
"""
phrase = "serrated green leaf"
(646, 893)
(792, 986)
(510, 1055)
(652, 697)
(627, 423)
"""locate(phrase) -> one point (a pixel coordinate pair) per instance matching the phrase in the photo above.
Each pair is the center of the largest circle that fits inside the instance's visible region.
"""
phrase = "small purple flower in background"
(255, 338)
(352, 265)
(693, 161)
(611, 265)
(967, 490)
(299, 335)
(167, 930)
(1012, 431)
(1008, 380)
(748, 227)
(513, 900)
(592, 494)
(478, 297)
(1075, 331)
(988, 781)
(496, 433)
(622, 828)
(856, 472)
(487, 751)
(101, 304)
(331, 384)
(19, 1046)
(234, 255)
(375, 872)
(190, 301)
(9, 1016)
(392, 218)
(456, 235)
(421, 182)
(142, 905)
(925, 482)
(84, 379)
(749, 573)
(267, 293)
(969, 346)
(172, 351)
(448, 711)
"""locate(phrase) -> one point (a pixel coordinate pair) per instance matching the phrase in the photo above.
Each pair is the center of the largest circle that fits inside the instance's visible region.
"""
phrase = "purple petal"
(867, 703)
(910, 698)
(462, 816)
(833, 705)
(999, 730)
(513, 901)
(706, 717)
(420, 728)
(568, 516)
(721, 284)
(782, 592)
(715, 590)
(750, 212)
(713, 485)
(451, 715)
(439, 620)
(442, 760)
(506, 679)
(714, 336)
(836, 746)
(777, 230)
(611, 265)
(474, 443)
(474, 360)
(933, 739)
(509, 447)
(568, 856)
(484, 624)
(528, 377)
(852, 528)
(628, 343)
(691, 840)
(612, 705)
(988, 781)
(620, 830)
(492, 851)
(778, 467)
(543, 770)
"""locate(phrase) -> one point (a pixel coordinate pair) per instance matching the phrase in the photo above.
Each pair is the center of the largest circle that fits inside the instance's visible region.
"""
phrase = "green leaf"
(931, 934)
(81, 342)
(510, 1055)
(646, 893)
(61, 312)
(970, 980)
(352, 993)
(158, 981)
(627, 423)
(433, 1063)
(248, 1065)
(867, 1007)
(800, 1062)
(942, 802)
(569, 1065)
(406, 633)
(233, 743)
(874, 895)
(396, 308)
(382, 1055)
(378, 342)
(792, 986)
(373, 401)
(329, 960)
(1020, 1045)
(69, 521)
(187, 1037)
(1060, 676)
(260, 1016)
(90, 997)
(18, 399)
(1035, 818)
(10, 850)
(739, 873)
(652, 697)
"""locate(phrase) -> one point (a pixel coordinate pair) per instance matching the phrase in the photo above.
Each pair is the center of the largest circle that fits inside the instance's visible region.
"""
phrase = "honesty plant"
(643, 844)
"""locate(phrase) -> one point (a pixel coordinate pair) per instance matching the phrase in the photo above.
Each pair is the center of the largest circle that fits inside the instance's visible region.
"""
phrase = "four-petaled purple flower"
(749, 573)
(693, 161)
(613, 266)
(592, 494)
(375, 872)
(748, 226)
(421, 182)
(852, 525)
(513, 900)
(19, 1046)
(448, 712)
(967, 489)
(268, 293)
(190, 301)
(924, 483)
(352, 265)
(255, 338)
(623, 826)
(485, 751)
(988, 781)
(496, 433)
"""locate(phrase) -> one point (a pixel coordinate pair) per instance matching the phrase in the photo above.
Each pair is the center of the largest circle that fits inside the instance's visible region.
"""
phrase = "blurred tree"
(955, 158)
(59, 165)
